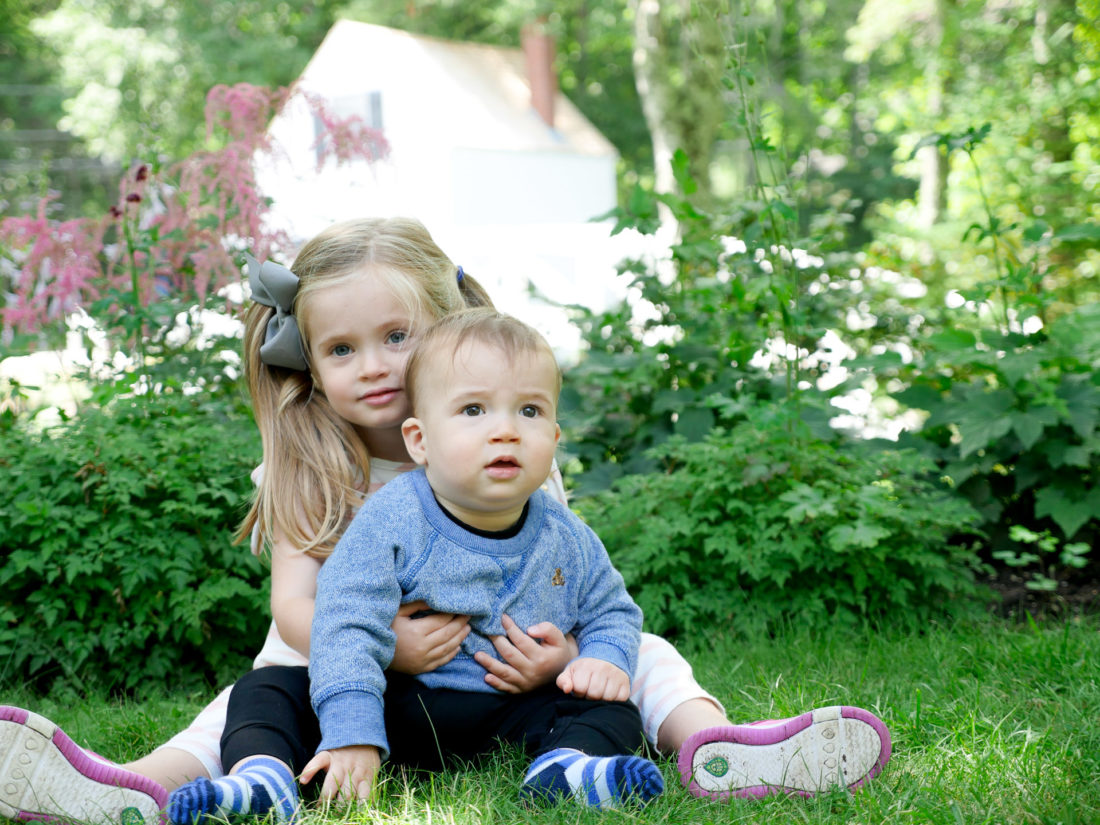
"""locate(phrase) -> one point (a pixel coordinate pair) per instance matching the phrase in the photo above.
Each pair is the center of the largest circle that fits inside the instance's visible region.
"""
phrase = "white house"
(503, 170)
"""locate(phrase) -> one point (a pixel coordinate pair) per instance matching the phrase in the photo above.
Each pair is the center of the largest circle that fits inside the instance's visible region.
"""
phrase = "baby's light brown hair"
(445, 338)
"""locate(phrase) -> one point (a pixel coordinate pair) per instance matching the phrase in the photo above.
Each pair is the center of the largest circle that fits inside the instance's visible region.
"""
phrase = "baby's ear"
(415, 443)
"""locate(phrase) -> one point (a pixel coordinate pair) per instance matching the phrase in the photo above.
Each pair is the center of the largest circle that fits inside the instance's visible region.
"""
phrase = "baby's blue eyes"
(527, 411)
(341, 350)
(399, 337)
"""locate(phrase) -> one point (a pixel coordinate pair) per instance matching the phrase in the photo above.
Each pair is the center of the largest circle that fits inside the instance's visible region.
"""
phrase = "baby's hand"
(351, 772)
(426, 643)
(595, 679)
(527, 664)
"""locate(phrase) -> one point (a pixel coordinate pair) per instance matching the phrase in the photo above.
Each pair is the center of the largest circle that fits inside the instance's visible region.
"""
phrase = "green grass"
(992, 722)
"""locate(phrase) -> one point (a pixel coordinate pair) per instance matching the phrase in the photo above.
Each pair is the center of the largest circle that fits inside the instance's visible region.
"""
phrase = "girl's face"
(361, 337)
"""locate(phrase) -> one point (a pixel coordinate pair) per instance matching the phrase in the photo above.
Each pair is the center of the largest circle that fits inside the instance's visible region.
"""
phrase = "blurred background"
(510, 125)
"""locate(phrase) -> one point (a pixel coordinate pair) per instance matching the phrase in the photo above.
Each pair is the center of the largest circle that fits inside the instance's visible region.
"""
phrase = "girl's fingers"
(445, 648)
(408, 608)
(444, 632)
(548, 633)
(498, 674)
(501, 685)
(523, 643)
(432, 623)
(437, 623)
(508, 651)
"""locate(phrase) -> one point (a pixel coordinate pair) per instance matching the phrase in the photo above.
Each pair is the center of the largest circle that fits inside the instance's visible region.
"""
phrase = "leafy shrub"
(1014, 422)
(710, 310)
(760, 515)
(1042, 557)
(118, 565)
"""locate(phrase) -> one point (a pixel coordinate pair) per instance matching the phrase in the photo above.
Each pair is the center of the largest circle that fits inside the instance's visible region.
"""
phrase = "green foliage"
(119, 569)
(136, 78)
(763, 515)
(1029, 258)
(642, 381)
(737, 311)
(1044, 554)
(1015, 421)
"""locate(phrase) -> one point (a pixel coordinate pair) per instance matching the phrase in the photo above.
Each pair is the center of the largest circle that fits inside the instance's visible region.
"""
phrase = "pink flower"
(166, 237)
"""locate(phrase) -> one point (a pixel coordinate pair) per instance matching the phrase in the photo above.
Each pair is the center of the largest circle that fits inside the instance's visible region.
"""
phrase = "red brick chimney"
(538, 49)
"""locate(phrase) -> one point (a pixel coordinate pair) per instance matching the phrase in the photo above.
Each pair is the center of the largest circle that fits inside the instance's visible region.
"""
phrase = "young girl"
(328, 443)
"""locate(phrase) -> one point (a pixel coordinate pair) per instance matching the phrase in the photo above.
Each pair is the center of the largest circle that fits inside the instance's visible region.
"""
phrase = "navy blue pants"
(269, 713)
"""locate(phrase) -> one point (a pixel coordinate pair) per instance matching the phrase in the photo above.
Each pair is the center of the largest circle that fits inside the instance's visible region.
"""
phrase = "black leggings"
(269, 713)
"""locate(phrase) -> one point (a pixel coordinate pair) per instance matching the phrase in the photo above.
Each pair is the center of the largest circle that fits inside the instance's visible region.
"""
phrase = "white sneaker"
(824, 749)
(44, 775)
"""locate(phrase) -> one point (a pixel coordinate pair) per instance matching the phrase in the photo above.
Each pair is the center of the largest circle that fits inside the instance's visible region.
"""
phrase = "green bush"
(119, 569)
(760, 515)
(1014, 422)
(709, 312)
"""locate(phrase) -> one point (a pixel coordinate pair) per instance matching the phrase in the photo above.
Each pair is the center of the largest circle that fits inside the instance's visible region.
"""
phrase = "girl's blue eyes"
(392, 339)
(472, 410)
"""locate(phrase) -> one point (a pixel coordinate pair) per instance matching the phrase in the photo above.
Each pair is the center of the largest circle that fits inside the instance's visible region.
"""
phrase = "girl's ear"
(415, 443)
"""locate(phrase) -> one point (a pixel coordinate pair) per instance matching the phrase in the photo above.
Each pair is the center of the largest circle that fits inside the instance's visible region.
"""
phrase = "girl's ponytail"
(473, 293)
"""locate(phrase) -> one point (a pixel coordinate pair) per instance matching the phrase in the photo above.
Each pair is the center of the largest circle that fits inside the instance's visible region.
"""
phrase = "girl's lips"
(379, 398)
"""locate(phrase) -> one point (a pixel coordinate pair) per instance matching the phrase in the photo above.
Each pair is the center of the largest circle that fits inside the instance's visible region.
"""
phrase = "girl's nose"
(373, 364)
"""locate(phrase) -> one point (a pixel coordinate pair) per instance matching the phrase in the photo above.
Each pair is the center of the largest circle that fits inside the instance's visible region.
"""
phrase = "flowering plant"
(171, 243)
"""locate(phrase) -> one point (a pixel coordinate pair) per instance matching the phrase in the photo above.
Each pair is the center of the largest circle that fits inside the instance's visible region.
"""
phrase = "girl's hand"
(595, 679)
(351, 772)
(426, 643)
(527, 664)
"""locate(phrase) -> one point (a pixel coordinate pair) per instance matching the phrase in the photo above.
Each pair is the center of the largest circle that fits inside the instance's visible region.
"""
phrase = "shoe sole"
(45, 776)
(822, 750)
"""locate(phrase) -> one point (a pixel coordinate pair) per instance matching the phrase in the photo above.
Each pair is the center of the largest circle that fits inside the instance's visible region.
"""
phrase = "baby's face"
(487, 431)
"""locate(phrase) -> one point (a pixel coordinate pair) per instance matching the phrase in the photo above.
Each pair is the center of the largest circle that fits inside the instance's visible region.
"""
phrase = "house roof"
(479, 93)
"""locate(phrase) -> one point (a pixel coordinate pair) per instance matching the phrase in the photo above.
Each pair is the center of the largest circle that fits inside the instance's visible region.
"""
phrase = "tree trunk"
(932, 194)
(648, 78)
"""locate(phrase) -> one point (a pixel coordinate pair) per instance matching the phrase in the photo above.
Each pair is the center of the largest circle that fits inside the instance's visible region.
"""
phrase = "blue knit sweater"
(401, 547)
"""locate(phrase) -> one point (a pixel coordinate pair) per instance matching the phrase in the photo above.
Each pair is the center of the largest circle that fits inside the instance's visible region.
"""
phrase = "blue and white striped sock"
(599, 781)
(261, 785)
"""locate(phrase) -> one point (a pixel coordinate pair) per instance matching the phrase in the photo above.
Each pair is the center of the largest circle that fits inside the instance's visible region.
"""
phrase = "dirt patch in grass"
(1016, 599)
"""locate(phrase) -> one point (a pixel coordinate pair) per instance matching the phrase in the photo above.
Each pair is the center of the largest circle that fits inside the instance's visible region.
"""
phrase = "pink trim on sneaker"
(824, 749)
(45, 776)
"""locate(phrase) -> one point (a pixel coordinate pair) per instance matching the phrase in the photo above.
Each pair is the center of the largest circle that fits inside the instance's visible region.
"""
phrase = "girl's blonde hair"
(316, 467)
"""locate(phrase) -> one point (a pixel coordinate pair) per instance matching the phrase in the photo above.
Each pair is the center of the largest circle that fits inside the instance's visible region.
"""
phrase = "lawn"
(992, 722)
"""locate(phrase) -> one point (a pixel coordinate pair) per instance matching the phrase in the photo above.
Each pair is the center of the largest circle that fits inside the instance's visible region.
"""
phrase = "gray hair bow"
(275, 286)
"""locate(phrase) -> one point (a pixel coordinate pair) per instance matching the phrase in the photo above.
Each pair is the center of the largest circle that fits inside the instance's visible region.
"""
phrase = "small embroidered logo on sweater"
(558, 580)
